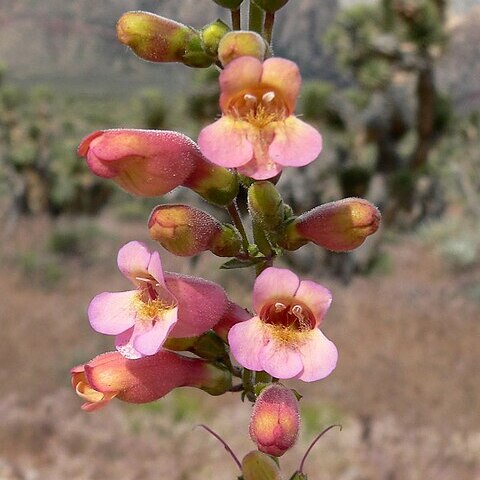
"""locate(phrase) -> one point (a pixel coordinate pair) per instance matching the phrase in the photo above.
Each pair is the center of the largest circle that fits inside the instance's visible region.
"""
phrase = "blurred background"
(394, 86)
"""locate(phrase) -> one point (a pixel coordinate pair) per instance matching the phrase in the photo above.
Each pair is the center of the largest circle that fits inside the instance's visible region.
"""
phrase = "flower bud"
(266, 206)
(241, 43)
(209, 346)
(144, 380)
(154, 38)
(143, 162)
(212, 34)
(271, 5)
(275, 420)
(187, 231)
(259, 466)
(339, 226)
(213, 183)
(231, 4)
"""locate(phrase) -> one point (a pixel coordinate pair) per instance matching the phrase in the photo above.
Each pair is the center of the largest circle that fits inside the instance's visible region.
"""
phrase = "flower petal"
(295, 144)
(133, 260)
(316, 297)
(281, 360)
(261, 167)
(124, 345)
(112, 313)
(238, 75)
(246, 341)
(319, 357)
(284, 76)
(201, 304)
(274, 283)
(155, 269)
(258, 171)
(149, 341)
(225, 142)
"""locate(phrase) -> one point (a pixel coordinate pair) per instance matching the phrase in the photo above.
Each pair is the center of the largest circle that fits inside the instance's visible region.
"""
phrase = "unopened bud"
(266, 206)
(213, 183)
(212, 34)
(231, 4)
(271, 5)
(275, 420)
(259, 466)
(148, 163)
(239, 44)
(187, 231)
(217, 380)
(146, 379)
(209, 346)
(152, 37)
(338, 226)
(159, 39)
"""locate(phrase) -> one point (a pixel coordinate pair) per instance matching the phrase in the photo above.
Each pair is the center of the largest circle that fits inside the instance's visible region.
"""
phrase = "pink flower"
(161, 305)
(283, 338)
(258, 133)
(111, 375)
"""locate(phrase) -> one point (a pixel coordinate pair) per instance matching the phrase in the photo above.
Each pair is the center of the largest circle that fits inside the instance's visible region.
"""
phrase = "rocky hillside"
(54, 38)
(74, 42)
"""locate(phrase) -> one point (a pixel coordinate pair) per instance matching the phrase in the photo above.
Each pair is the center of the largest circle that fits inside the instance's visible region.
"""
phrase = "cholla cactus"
(175, 331)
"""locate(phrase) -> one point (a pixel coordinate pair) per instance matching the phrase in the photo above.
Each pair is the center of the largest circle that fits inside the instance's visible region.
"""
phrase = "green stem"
(255, 19)
(237, 221)
(268, 27)
(247, 380)
(261, 239)
(236, 19)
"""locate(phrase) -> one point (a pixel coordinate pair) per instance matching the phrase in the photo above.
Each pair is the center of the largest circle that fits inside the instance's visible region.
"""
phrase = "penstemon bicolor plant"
(173, 330)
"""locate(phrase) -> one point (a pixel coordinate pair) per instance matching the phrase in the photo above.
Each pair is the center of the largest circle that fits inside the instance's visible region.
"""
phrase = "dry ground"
(406, 388)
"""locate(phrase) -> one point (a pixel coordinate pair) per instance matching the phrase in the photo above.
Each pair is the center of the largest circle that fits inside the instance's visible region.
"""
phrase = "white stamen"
(141, 279)
(279, 307)
(251, 99)
(297, 310)
(268, 97)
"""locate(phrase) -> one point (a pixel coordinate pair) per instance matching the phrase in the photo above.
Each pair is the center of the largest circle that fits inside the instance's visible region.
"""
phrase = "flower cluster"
(173, 330)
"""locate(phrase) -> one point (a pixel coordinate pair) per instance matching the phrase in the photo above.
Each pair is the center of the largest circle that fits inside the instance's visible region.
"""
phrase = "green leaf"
(237, 263)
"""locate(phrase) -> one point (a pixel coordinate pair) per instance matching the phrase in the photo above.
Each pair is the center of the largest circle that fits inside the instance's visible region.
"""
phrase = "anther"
(297, 310)
(250, 99)
(279, 307)
(268, 97)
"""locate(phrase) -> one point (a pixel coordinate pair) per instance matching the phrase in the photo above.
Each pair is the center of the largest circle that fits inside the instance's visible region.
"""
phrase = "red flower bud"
(148, 163)
(275, 420)
(187, 231)
(152, 37)
(339, 226)
(144, 380)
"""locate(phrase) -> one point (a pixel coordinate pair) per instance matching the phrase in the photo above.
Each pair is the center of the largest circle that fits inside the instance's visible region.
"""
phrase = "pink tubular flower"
(143, 162)
(258, 133)
(161, 305)
(283, 338)
(111, 375)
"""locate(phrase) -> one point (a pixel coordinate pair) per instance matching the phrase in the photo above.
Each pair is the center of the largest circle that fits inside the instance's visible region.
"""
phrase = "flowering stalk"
(172, 330)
